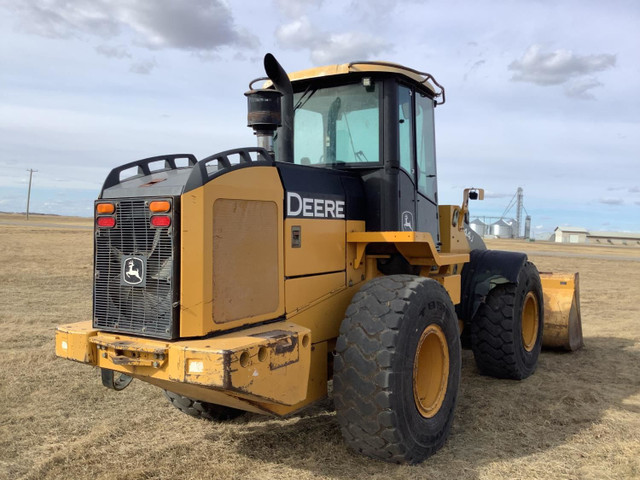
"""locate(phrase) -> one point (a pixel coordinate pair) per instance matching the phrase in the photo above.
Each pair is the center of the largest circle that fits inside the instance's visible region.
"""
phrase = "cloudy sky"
(541, 94)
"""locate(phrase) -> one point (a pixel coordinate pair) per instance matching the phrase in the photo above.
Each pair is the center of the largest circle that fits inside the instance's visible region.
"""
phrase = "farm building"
(614, 238)
(582, 235)
(569, 235)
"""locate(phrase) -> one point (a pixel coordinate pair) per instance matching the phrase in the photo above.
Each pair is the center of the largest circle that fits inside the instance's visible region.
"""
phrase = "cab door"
(425, 169)
(406, 156)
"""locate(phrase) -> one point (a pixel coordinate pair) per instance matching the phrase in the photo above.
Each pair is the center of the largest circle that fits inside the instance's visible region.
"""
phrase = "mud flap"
(562, 320)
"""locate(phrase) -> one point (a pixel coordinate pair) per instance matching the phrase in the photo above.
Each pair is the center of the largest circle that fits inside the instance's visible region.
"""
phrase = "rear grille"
(147, 307)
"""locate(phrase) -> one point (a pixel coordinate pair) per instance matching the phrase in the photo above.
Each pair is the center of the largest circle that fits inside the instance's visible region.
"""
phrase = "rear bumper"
(270, 363)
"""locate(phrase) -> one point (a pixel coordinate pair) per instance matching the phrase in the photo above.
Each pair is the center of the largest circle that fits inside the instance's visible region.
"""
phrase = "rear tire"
(199, 409)
(397, 369)
(506, 333)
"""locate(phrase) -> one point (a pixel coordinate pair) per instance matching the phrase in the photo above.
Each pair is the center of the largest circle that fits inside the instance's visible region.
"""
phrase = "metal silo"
(502, 229)
(479, 227)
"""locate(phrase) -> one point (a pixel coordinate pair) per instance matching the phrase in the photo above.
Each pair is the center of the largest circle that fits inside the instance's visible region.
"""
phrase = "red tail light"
(160, 221)
(106, 222)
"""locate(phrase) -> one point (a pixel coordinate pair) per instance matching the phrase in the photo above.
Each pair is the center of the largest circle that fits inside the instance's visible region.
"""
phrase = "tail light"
(160, 221)
(106, 222)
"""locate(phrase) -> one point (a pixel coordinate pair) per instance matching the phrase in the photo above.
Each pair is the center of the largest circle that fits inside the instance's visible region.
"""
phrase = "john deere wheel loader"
(247, 280)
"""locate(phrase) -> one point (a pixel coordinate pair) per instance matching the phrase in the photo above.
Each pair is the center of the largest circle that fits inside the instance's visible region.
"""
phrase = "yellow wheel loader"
(247, 280)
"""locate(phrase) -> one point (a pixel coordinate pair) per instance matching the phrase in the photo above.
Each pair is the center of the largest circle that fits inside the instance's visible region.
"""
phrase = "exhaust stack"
(269, 109)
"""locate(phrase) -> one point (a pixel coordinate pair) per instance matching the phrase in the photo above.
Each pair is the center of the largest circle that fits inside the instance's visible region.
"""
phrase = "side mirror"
(473, 194)
(469, 194)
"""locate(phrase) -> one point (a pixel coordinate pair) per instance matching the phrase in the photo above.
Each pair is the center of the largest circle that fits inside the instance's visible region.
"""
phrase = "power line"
(31, 172)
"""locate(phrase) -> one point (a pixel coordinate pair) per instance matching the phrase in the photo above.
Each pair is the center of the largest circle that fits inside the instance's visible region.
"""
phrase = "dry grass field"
(578, 417)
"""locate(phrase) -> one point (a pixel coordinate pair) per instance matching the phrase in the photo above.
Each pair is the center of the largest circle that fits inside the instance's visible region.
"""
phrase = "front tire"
(397, 369)
(506, 333)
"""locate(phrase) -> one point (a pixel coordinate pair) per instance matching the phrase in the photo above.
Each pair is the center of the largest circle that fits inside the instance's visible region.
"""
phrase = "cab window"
(337, 126)
(405, 129)
(425, 147)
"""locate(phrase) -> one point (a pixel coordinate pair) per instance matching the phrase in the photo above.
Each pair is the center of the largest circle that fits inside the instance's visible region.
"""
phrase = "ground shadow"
(495, 419)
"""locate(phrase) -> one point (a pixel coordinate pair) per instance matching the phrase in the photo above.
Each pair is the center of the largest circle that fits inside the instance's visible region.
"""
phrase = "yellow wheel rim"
(530, 321)
(430, 371)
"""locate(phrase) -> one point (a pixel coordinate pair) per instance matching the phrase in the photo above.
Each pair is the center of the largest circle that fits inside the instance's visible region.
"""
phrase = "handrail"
(143, 167)
(201, 174)
(427, 76)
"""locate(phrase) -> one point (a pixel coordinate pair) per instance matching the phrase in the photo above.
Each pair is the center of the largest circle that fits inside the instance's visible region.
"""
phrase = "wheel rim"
(430, 371)
(530, 321)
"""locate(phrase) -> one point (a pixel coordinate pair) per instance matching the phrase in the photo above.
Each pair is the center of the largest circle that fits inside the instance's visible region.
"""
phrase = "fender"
(485, 270)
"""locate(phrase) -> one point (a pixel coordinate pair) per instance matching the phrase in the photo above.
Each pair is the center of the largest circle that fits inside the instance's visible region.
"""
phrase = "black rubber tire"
(496, 330)
(198, 409)
(373, 368)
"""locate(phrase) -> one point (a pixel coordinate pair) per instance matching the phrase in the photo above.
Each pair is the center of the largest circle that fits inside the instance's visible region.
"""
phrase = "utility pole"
(30, 170)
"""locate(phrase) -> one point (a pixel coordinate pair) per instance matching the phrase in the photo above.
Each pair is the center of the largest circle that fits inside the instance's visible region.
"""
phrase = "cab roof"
(368, 66)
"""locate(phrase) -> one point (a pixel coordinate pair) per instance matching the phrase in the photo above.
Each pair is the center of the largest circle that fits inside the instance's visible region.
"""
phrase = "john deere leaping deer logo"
(133, 270)
(407, 221)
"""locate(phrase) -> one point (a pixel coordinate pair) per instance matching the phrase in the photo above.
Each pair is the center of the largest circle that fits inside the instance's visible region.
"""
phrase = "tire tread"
(203, 410)
(363, 373)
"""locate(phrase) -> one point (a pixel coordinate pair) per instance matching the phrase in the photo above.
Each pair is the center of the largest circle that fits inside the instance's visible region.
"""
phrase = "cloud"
(558, 67)
(113, 51)
(497, 195)
(328, 48)
(343, 47)
(144, 67)
(296, 8)
(580, 88)
(611, 201)
(197, 25)
(473, 68)
(634, 189)
(299, 33)
(194, 25)
(64, 19)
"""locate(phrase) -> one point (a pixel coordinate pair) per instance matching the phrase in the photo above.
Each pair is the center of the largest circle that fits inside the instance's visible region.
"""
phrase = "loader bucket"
(562, 322)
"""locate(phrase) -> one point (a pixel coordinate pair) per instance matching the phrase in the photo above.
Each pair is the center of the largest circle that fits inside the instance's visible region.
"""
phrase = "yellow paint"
(354, 274)
(76, 337)
(269, 363)
(452, 284)
(562, 319)
(417, 247)
(260, 184)
(346, 68)
(317, 385)
(245, 260)
(530, 321)
(316, 389)
(430, 371)
(323, 317)
(303, 291)
(322, 246)
(453, 239)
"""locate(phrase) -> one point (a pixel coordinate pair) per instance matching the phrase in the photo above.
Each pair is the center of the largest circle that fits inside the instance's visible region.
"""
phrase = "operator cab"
(375, 120)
